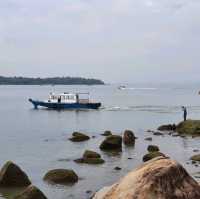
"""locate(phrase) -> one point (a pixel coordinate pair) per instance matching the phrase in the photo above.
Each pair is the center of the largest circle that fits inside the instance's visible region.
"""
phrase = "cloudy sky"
(115, 40)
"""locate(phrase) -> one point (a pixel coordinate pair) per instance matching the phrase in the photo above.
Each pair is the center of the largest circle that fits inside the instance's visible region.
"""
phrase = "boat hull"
(59, 106)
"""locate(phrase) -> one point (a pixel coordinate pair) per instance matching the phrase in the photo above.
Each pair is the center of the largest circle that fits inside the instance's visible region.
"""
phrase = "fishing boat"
(67, 101)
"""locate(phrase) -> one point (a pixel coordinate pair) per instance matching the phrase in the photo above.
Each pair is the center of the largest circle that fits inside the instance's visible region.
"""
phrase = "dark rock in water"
(189, 127)
(130, 158)
(117, 168)
(88, 191)
(31, 192)
(152, 155)
(61, 176)
(91, 154)
(160, 178)
(196, 150)
(196, 158)
(129, 138)
(168, 127)
(152, 148)
(11, 175)
(79, 137)
(112, 142)
(175, 135)
(90, 157)
(158, 133)
(148, 139)
(106, 133)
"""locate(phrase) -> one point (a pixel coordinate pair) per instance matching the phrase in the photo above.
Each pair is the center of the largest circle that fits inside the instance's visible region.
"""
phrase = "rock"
(11, 175)
(91, 154)
(189, 127)
(160, 178)
(158, 133)
(106, 133)
(79, 137)
(168, 127)
(148, 139)
(31, 192)
(129, 138)
(152, 148)
(90, 157)
(196, 150)
(196, 158)
(152, 155)
(61, 176)
(117, 168)
(112, 142)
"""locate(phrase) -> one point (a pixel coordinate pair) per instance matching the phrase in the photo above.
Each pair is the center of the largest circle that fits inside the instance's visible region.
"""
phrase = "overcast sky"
(115, 40)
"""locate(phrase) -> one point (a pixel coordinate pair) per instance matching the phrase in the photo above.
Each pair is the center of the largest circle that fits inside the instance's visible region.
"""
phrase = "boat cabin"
(68, 98)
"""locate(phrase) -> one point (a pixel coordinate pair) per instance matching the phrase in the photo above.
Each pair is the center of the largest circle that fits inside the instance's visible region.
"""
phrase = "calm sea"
(37, 140)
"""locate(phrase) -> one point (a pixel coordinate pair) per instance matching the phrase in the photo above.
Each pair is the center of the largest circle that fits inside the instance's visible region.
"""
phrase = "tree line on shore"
(49, 80)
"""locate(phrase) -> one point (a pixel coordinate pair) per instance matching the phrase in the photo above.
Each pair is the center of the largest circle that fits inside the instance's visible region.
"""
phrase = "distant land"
(49, 81)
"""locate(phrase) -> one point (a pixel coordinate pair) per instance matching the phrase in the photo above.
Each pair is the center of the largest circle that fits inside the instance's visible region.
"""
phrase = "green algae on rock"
(90, 157)
(153, 148)
(189, 127)
(79, 137)
(112, 142)
(61, 176)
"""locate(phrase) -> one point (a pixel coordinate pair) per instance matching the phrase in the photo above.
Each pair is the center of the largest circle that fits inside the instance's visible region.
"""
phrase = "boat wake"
(152, 108)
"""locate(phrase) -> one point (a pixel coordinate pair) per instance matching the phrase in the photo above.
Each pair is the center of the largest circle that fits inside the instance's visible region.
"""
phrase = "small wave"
(151, 108)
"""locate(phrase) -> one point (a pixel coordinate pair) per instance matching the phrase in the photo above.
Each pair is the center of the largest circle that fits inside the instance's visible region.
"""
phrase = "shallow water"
(37, 140)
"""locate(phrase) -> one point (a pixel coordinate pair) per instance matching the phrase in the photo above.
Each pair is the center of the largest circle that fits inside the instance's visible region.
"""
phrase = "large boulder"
(129, 138)
(31, 192)
(90, 157)
(167, 127)
(112, 142)
(61, 176)
(160, 178)
(11, 175)
(79, 137)
(189, 127)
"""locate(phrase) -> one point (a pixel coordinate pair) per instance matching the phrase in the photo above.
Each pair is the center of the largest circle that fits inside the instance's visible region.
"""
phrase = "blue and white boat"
(66, 101)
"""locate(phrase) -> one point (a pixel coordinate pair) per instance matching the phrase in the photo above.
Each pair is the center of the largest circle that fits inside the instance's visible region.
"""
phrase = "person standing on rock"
(184, 113)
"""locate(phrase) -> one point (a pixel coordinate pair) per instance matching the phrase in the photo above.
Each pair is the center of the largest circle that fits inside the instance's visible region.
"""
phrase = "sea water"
(37, 140)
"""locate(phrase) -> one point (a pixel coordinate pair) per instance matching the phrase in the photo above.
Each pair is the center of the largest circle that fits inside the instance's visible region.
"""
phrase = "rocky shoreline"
(158, 168)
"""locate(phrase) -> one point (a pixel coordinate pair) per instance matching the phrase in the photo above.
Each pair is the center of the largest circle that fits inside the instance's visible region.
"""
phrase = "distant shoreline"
(49, 81)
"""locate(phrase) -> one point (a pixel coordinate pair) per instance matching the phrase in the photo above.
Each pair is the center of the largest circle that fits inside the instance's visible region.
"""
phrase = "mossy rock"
(31, 192)
(11, 175)
(152, 155)
(112, 142)
(79, 137)
(153, 148)
(106, 133)
(91, 154)
(61, 176)
(196, 158)
(90, 157)
(189, 127)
